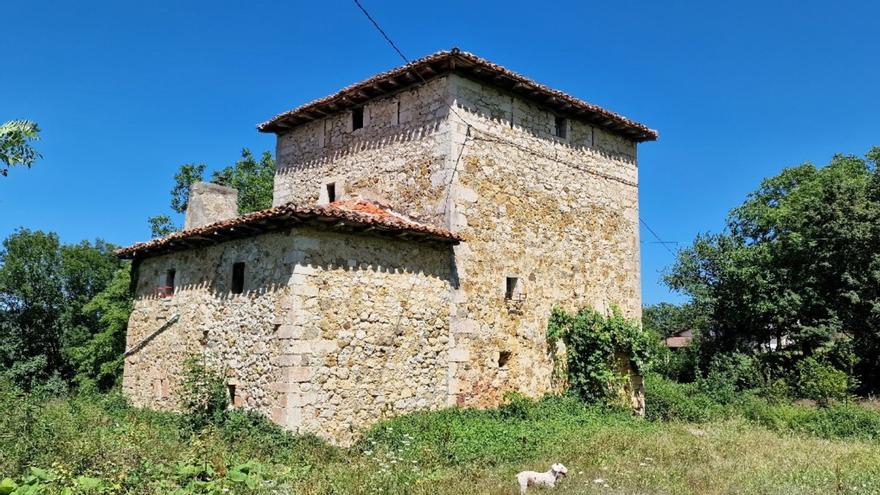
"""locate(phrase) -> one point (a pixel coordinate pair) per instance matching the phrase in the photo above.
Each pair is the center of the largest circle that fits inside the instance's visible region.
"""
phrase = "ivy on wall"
(600, 351)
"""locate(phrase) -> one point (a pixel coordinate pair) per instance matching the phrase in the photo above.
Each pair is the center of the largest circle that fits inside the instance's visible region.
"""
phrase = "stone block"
(289, 332)
(459, 355)
(301, 399)
(300, 373)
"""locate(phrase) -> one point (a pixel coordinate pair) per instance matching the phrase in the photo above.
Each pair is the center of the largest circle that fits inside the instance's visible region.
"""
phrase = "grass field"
(99, 445)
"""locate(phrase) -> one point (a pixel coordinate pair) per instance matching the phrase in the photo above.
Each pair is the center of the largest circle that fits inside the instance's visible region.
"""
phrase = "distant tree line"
(64, 308)
(798, 265)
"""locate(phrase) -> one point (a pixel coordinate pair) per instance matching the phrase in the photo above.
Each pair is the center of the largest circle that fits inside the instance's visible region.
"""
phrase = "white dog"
(534, 478)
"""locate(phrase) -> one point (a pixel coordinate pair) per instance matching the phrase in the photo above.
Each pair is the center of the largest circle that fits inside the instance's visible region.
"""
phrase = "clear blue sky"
(127, 91)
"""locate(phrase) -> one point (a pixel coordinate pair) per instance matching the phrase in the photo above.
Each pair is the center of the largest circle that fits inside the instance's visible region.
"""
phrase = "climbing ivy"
(599, 351)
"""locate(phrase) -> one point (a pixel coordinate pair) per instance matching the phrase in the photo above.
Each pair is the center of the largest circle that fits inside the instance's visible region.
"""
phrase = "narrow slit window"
(511, 287)
(331, 192)
(231, 388)
(561, 125)
(503, 358)
(398, 112)
(357, 118)
(237, 278)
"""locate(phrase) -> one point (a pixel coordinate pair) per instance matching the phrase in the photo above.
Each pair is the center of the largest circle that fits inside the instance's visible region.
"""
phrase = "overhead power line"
(659, 240)
(501, 139)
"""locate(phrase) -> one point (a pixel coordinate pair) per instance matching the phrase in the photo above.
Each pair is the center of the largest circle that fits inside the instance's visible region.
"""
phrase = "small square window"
(237, 278)
(357, 118)
(561, 127)
(167, 288)
(511, 288)
(331, 192)
(504, 358)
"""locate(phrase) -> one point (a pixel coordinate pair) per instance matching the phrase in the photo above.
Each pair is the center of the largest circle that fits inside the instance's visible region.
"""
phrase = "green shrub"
(837, 421)
(203, 394)
(730, 374)
(822, 382)
(666, 400)
(594, 348)
(518, 430)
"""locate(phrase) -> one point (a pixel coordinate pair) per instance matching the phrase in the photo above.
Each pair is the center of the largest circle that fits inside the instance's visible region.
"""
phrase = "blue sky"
(127, 91)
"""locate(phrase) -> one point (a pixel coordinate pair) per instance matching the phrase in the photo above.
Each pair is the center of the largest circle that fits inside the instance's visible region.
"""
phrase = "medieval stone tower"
(425, 222)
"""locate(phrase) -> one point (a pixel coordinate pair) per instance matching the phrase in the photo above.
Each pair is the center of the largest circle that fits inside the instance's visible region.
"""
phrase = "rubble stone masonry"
(335, 331)
(325, 338)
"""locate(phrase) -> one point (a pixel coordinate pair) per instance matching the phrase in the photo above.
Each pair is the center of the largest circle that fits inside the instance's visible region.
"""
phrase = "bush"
(666, 400)
(822, 382)
(203, 396)
(839, 421)
(729, 375)
(518, 430)
(599, 351)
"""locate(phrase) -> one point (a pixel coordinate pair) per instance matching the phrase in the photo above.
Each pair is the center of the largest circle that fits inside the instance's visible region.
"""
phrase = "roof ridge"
(441, 62)
(286, 215)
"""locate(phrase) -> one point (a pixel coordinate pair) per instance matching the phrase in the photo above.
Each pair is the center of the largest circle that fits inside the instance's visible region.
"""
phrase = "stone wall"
(335, 331)
(560, 215)
(326, 337)
(399, 156)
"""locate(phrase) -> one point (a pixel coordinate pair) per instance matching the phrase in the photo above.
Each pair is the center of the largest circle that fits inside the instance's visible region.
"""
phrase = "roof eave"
(468, 65)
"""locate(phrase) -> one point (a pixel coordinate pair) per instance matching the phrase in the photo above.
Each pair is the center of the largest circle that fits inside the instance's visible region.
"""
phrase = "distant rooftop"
(472, 66)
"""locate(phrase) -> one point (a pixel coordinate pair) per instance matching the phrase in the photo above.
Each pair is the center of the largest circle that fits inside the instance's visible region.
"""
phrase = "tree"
(98, 360)
(15, 144)
(253, 179)
(800, 261)
(160, 226)
(44, 286)
(189, 174)
(665, 319)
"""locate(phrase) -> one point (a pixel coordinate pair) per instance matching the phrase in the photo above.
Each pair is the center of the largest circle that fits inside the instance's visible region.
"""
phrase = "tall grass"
(689, 445)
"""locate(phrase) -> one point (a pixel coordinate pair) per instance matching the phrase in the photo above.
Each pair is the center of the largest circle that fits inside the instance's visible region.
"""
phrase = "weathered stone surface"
(336, 331)
(358, 337)
(209, 203)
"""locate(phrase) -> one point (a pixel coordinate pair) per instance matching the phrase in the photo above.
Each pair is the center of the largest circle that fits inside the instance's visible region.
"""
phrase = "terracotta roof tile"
(473, 66)
(354, 215)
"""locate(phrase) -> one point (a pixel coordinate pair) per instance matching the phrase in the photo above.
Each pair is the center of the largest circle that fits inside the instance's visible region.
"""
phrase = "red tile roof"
(472, 66)
(353, 215)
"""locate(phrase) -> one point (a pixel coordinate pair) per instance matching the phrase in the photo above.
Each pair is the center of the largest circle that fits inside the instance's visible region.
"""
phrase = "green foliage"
(670, 401)
(666, 400)
(822, 382)
(799, 261)
(44, 287)
(98, 444)
(516, 430)
(189, 174)
(161, 225)
(253, 179)
(98, 362)
(203, 397)
(665, 319)
(729, 375)
(15, 144)
(595, 348)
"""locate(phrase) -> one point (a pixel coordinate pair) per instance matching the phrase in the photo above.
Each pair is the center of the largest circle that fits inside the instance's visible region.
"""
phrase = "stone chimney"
(209, 203)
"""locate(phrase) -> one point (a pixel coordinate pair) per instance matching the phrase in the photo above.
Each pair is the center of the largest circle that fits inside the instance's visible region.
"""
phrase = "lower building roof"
(352, 215)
